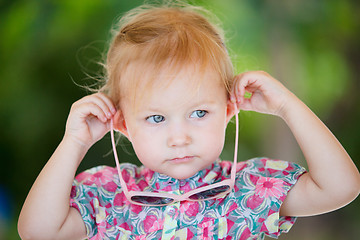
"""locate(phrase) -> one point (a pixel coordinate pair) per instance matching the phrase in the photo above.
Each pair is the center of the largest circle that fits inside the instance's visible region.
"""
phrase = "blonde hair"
(151, 37)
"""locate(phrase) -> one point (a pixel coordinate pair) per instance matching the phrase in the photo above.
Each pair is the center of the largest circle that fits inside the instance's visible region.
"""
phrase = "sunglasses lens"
(210, 193)
(152, 200)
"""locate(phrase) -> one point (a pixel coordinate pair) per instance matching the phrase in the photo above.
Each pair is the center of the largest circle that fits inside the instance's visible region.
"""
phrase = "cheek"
(213, 138)
(146, 148)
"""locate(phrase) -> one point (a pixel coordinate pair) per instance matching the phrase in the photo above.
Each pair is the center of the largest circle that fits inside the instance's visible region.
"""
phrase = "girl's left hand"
(268, 95)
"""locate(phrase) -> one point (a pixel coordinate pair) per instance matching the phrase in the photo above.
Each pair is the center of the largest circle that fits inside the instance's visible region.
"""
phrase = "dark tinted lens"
(210, 193)
(151, 200)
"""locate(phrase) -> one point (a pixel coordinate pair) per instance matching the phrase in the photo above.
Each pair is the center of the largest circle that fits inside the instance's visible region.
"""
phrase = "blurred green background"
(47, 48)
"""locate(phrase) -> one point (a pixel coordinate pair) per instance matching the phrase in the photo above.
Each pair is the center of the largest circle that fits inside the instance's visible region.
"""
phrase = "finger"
(85, 108)
(108, 102)
(235, 89)
(102, 102)
(92, 109)
(245, 105)
(243, 81)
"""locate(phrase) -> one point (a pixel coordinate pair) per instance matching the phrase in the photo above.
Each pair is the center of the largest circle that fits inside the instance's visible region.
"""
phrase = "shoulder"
(261, 187)
(274, 168)
(96, 175)
(102, 175)
(94, 194)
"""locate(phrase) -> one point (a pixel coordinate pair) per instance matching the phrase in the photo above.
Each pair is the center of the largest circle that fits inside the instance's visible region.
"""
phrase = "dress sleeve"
(87, 198)
(269, 182)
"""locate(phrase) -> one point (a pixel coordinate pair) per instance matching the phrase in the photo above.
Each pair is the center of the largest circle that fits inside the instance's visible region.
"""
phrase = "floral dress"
(249, 211)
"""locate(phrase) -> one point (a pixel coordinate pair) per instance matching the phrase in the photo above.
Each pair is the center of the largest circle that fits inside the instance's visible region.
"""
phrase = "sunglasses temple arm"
(233, 169)
(122, 182)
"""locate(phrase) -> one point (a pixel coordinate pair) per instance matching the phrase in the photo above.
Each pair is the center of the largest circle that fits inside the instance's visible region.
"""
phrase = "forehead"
(174, 86)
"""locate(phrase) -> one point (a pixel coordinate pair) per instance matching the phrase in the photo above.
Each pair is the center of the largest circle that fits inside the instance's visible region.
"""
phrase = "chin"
(183, 177)
(181, 174)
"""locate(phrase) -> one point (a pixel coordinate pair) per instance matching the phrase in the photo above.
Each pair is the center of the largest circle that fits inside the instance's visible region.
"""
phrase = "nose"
(178, 136)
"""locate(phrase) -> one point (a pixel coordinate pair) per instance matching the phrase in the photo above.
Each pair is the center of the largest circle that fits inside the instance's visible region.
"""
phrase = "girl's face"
(178, 129)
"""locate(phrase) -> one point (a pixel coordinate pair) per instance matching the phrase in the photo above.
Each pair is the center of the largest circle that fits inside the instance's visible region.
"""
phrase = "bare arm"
(46, 213)
(333, 179)
(46, 210)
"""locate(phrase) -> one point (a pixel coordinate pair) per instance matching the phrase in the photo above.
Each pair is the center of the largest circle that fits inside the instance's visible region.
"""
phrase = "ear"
(231, 110)
(120, 124)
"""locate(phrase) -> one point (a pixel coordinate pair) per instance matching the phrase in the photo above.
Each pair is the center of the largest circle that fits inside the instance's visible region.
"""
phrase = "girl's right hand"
(89, 119)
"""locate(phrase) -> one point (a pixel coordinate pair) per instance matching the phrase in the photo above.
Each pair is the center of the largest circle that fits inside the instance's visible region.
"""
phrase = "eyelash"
(201, 112)
(155, 118)
(159, 118)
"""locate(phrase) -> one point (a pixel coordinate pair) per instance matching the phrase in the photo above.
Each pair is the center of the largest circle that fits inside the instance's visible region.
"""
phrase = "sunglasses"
(216, 190)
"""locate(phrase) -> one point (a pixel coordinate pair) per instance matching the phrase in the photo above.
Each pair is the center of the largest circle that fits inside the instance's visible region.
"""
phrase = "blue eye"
(198, 114)
(155, 119)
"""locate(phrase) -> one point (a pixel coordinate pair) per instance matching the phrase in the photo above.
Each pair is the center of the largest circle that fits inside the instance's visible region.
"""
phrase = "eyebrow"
(198, 104)
(209, 101)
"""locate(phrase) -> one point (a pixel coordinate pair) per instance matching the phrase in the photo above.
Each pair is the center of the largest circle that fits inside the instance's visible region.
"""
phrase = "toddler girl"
(171, 91)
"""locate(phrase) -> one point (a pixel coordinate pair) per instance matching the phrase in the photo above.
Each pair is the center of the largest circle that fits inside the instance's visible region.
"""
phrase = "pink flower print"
(73, 192)
(142, 237)
(100, 178)
(246, 234)
(254, 201)
(153, 223)
(83, 176)
(233, 207)
(136, 208)
(110, 186)
(189, 208)
(101, 231)
(254, 179)
(240, 166)
(207, 230)
(130, 181)
(119, 199)
(269, 187)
